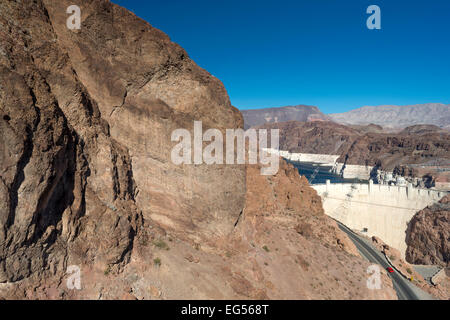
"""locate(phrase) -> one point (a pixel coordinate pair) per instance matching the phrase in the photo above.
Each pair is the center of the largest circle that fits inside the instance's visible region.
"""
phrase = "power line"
(373, 204)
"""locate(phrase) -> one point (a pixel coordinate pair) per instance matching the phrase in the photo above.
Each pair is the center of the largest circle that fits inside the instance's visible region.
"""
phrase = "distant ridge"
(437, 114)
(303, 113)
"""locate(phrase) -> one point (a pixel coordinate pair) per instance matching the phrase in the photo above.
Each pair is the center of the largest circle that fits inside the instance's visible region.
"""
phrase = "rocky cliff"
(428, 235)
(86, 179)
(86, 123)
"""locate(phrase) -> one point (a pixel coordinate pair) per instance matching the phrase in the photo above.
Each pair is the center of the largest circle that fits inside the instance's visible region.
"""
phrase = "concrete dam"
(376, 210)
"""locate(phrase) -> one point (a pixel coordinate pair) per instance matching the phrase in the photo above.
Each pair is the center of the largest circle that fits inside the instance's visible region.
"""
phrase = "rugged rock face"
(287, 231)
(66, 185)
(288, 197)
(428, 235)
(257, 117)
(86, 125)
(397, 116)
(146, 86)
(86, 179)
(283, 227)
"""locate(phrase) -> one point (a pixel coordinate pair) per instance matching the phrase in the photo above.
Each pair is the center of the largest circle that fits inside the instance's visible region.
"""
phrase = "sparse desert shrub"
(161, 244)
(107, 271)
(303, 263)
(157, 262)
(266, 249)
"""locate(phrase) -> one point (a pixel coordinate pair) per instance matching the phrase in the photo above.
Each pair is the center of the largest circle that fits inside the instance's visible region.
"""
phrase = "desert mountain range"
(437, 114)
(389, 117)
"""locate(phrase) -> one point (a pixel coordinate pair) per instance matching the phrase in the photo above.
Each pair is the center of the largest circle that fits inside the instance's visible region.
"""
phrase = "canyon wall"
(420, 151)
(86, 178)
(428, 235)
(86, 122)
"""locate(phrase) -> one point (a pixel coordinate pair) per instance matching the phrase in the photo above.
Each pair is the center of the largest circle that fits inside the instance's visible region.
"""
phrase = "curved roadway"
(405, 290)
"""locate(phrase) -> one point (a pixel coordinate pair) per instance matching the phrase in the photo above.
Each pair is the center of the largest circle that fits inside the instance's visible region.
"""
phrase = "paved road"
(405, 290)
(427, 271)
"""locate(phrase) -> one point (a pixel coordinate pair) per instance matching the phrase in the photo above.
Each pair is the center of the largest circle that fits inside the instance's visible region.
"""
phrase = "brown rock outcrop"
(287, 197)
(428, 235)
(66, 184)
(265, 257)
(86, 125)
(146, 86)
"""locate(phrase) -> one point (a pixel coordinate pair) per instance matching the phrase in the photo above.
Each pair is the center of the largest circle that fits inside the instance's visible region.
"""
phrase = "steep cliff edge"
(146, 87)
(66, 185)
(86, 179)
(86, 123)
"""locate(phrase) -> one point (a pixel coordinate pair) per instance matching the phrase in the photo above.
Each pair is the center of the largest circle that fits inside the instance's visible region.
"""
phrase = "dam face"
(377, 210)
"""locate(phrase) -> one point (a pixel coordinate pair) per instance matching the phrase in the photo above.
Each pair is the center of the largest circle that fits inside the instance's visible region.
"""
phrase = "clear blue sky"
(316, 52)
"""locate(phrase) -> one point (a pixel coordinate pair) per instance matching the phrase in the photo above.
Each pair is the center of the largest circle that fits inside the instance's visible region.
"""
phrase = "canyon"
(86, 180)
(419, 154)
(392, 186)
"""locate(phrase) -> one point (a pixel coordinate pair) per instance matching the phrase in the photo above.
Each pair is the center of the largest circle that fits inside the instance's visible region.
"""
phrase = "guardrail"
(438, 276)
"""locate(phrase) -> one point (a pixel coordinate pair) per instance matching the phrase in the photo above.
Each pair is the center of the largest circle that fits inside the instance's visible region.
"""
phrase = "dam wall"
(376, 210)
